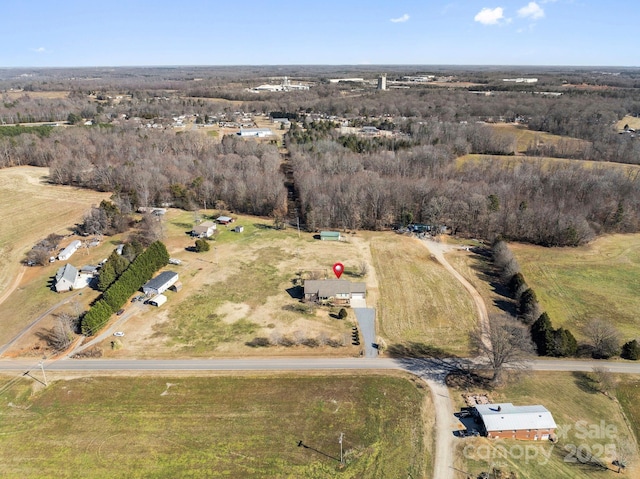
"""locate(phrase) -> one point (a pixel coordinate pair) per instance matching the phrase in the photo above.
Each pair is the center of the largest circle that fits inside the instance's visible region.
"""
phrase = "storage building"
(160, 283)
(158, 300)
(507, 421)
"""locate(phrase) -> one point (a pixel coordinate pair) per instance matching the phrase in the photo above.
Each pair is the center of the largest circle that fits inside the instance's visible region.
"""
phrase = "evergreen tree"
(564, 343)
(107, 276)
(542, 335)
(202, 245)
(631, 350)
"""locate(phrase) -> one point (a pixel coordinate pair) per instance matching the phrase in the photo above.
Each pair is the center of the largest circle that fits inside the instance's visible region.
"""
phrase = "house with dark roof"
(338, 291)
(506, 421)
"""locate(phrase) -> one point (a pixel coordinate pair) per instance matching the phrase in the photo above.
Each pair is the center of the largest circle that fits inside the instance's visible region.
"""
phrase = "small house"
(238, 229)
(66, 253)
(160, 283)
(66, 277)
(206, 229)
(506, 421)
(330, 236)
(339, 291)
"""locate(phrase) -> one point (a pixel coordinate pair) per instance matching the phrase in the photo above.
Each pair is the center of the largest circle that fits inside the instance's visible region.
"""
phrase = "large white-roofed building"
(507, 421)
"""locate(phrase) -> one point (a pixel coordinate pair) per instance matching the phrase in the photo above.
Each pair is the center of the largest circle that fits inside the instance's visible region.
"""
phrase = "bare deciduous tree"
(605, 379)
(604, 337)
(506, 343)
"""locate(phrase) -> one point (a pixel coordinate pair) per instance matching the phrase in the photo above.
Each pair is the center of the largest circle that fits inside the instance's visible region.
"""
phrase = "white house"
(204, 229)
(66, 278)
(255, 132)
(66, 253)
(160, 283)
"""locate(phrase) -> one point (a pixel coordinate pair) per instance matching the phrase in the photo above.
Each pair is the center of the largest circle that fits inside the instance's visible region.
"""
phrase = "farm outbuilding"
(160, 283)
(158, 300)
(66, 253)
(224, 220)
(255, 132)
(507, 421)
(330, 236)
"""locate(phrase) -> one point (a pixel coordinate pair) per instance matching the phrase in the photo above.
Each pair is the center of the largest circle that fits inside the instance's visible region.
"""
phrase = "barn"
(160, 283)
(66, 253)
(506, 421)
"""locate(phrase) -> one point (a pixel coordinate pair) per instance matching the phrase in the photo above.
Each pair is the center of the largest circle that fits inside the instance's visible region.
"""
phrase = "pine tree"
(542, 335)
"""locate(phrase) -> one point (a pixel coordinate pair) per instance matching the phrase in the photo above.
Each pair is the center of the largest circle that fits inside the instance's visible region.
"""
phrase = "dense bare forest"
(337, 178)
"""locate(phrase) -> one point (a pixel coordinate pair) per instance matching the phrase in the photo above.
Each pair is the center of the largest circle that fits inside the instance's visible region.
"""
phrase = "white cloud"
(490, 16)
(39, 50)
(532, 10)
(401, 19)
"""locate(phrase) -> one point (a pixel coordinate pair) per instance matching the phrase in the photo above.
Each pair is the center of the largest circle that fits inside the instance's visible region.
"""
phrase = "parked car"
(118, 334)
(120, 311)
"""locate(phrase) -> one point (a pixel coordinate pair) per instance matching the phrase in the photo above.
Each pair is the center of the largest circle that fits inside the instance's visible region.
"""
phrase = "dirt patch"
(232, 312)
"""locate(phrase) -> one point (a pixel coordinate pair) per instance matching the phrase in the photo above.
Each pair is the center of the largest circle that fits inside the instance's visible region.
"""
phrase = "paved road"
(367, 324)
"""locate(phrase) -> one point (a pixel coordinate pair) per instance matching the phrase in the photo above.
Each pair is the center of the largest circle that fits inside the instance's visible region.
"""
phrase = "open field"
(543, 162)
(30, 209)
(525, 137)
(216, 426)
(599, 280)
(478, 270)
(588, 423)
(48, 95)
(420, 302)
(632, 121)
(628, 392)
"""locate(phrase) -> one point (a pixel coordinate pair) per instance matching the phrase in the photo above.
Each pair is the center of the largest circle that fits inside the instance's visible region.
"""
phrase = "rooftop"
(506, 416)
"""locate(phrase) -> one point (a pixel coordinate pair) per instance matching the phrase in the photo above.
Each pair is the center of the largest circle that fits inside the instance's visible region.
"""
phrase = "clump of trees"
(139, 271)
(108, 218)
(43, 250)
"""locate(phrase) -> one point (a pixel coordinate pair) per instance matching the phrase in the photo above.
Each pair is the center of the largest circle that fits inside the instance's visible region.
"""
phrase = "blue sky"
(46, 33)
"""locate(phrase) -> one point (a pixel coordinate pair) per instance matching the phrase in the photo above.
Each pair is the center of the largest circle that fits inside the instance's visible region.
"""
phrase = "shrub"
(202, 246)
(631, 350)
(259, 342)
(342, 314)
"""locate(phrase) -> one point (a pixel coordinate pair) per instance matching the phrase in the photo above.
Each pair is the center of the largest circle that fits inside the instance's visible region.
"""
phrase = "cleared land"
(574, 285)
(632, 121)
(420, 302)
(211, 427)
(526, 138)
(30, 209)
(590, 423)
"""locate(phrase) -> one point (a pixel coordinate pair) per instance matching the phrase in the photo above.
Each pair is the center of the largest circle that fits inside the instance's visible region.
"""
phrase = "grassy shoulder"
(599, 280)
(589, 423)
(420, 302)
(205, 427)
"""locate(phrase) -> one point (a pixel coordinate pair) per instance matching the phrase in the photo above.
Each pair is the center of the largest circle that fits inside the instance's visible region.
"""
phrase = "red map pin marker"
(338, 268)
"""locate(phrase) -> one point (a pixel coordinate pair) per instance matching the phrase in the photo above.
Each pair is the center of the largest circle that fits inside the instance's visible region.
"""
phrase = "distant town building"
(382, 82)
(521, 80)
(255, 132)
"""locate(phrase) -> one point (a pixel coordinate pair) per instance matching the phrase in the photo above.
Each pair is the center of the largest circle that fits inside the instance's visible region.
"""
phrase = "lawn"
(197, 427)
(588, 423)
(599, 280)
(420, 302)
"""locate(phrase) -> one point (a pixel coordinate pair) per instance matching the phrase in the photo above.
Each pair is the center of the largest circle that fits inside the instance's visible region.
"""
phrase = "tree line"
(118, 291)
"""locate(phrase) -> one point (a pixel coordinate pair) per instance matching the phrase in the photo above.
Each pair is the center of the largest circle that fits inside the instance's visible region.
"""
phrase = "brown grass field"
(30, 209)
(525, 137)
(420, 302)
(589, 422)
(48, 95)
(599, 280)
(632, 121)
(203, 426)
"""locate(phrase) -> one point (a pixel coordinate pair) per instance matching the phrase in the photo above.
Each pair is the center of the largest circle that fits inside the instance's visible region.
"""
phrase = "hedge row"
(137, 274)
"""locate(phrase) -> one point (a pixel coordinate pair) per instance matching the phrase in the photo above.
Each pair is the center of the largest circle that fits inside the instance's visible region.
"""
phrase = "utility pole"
(43, 375)
(340, 441)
